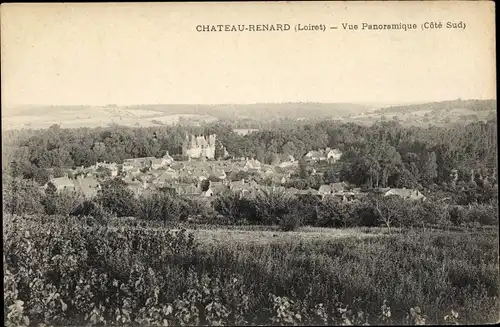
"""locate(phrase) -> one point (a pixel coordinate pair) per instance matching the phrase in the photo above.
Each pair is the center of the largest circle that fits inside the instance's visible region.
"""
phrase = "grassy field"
(68, 271)
(220, 236)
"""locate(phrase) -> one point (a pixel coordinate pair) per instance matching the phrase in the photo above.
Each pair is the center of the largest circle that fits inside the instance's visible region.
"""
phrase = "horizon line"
(251, 103)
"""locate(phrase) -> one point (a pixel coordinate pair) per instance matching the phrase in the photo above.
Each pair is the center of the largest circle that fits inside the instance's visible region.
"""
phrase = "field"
(69, 117)
(69, 271)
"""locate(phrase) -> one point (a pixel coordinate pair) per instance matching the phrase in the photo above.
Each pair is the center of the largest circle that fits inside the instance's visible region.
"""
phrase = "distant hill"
(261, 110)
(472, 105)
(33, 116)
(433, 113)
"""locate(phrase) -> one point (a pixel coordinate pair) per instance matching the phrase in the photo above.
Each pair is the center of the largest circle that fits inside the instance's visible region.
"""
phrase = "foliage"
(21, 196)
(162, 206)
(117, 198)
(59, 203)
(272, 206)
(64, 271)
(384, 154)
(204, 185)
(229, 204)
(290, 222)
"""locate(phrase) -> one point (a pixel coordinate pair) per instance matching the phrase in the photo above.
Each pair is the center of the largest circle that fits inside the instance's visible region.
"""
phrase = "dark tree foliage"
(117, 198)
(385, 154)
(205, 185)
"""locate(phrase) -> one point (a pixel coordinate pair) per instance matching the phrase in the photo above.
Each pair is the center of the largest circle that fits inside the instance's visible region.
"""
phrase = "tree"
(303, 168)
(272, 206)
(331, 175)
(205, 185)
(389, 209)
(228, 204)
(430, 170)
(21, 196)
(219, 150)
(289, 149)
(162, 206)
(60, 203)
(117, 198)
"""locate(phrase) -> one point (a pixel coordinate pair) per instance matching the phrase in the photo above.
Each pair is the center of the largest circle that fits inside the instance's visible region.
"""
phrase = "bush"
(60, 203)
(482, 214)
(291, 222)
(271, 206)
(307, 207)
(117, 198)
(68, 273)
(199, 207)
(163, 207)
(366, 214)
(228, 204)
(92, 209)
(457, 215)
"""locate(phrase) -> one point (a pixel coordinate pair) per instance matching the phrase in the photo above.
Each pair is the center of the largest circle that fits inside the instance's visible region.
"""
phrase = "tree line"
(384, 154)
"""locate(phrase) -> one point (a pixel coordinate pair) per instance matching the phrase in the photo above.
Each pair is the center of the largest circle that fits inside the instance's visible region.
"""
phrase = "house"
(188, 189)
(287, 161)
(61, 183)
(407, 194)
(325, 190)
(333, 155)
(270, 189)
(268, 172)
(129, 164)
(167, 176)
(200, 173)
(292, 190)
(242, 188)
(177, 165)
(113, 167)
(158, 163)
(217, 172)
(309, 191)
(314, 156)
(252, 165)
(136, 186)
(135, 171)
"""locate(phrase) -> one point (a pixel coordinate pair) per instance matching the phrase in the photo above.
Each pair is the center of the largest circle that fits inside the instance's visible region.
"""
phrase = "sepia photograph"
(249, 163)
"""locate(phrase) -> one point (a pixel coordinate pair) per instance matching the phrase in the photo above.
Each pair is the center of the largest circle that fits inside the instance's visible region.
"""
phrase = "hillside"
(434, 113)
(32, 116)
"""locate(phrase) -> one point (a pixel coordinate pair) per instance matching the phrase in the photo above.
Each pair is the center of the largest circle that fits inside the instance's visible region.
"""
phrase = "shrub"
(199, 207)
(162, 206)
(60, 203)
(457, 215)
(330, 213)
(90, 208)
(483, 214)
(228, 204)
(117, 198)
(291, 222)
(306, 207)
(271, 206)
(366, 214)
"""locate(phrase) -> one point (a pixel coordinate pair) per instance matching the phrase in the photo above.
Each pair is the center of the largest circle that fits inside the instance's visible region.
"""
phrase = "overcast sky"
(145, 54)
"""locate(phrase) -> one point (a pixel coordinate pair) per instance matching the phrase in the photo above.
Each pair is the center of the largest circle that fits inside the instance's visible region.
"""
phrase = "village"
(201, 175)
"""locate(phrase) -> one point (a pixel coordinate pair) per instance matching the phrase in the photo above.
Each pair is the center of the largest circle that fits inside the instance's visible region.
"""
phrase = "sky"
(99, 54)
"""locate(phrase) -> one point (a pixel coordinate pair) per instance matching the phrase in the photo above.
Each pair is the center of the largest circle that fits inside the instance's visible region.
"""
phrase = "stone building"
(199, 146)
